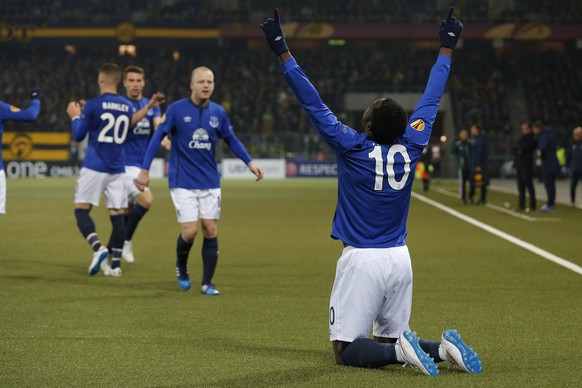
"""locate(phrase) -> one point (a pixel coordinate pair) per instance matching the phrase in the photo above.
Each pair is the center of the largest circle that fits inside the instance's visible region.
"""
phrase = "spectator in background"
(574, 162)
(524, 162)
(479, 162)
(462, 150)
(424, 167)
(546, 143)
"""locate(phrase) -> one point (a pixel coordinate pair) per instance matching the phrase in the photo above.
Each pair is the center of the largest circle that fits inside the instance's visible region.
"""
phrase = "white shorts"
(192, 205)
(131, 173)
(2, 192)
(91, 184)
(372, 289)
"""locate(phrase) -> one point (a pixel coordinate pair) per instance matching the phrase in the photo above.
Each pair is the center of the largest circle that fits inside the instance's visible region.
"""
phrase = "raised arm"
(424, 114)
(12, 113)
(337, 135)
(157, 99)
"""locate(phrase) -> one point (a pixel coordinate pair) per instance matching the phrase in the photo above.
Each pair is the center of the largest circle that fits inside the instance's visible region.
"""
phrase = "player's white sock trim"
(442, 353)
(399, 355)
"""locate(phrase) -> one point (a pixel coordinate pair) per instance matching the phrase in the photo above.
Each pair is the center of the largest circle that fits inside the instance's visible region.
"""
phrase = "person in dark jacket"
(462, 150)
(574, 162)
(546, 143)
(524, 160)
(479, 157)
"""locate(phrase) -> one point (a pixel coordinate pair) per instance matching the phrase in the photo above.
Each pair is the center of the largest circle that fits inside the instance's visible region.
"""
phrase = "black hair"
(385, 121)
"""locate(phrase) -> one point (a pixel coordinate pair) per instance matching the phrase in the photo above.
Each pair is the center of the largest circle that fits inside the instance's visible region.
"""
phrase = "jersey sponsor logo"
(14, 108)
(200, 140)
(418, 125)
(187, 119)
(213, 122)
(142, 128)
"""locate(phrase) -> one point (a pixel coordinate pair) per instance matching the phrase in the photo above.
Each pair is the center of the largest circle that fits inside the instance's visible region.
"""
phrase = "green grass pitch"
(60, 327)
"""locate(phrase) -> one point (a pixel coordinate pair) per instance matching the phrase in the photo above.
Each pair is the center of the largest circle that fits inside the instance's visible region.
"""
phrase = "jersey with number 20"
(374, 181)
(107, 119)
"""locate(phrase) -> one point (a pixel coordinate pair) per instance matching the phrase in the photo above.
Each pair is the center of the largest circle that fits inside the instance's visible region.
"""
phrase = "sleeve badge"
(418, 125)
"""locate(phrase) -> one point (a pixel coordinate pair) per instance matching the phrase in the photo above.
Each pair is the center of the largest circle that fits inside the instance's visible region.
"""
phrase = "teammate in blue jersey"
(13, 113)
(195, 125)
(145, 121)
(106, 120)
(373, 284)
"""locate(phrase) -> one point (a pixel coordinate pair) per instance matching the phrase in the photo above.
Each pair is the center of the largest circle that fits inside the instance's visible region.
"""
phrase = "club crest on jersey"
(213, 122)
(14, 108)
(200, 140)
(418, 125)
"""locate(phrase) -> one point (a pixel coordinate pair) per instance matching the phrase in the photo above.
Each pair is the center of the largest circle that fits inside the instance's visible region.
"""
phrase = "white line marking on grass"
(530, 247)
(522, 216)
(504, 210)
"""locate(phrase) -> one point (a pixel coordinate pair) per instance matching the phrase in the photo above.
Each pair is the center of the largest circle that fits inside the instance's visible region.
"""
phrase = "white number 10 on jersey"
(390, 159)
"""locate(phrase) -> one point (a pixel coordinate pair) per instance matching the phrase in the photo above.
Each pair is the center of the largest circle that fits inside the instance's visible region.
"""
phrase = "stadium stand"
(214, 12)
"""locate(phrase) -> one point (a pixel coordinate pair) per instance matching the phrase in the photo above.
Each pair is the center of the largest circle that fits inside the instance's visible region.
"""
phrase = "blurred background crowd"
(488, 83)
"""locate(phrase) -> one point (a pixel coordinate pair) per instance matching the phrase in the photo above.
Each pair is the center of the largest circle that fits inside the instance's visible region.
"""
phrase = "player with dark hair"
(195, 125)
(106, 119)
(373, 283)
(145, 121)
(13, 113)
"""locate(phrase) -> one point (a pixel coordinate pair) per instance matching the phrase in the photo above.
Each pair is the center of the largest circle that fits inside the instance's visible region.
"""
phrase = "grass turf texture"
(60, 327)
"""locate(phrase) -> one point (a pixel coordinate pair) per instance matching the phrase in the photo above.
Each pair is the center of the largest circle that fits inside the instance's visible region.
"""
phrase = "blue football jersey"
(194, 131)
(139, 136)
(374, 181)
(107, 119)
(12, 113)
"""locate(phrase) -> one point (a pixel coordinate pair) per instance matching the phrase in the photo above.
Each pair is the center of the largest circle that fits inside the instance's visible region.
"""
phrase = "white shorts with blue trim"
(192, 204)
(372, 291)
(91, 184)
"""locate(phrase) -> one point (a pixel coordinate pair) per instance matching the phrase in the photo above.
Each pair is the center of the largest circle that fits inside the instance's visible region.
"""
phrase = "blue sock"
(87, 228)
(117, 238)
(182, 251)
(367, 353)
(432, 348)
(135, 215)
(209, 259)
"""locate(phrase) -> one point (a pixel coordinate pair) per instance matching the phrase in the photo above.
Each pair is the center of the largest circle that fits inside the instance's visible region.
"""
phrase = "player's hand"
(143, 180)
(35, 93)
(256, 170)
(74, 109)
(166, 143)
(158, 98)
(450, 30)
(274, 34)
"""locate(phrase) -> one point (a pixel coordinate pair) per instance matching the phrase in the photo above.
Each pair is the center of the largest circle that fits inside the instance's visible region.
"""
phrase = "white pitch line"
(504, 210)
(522, 216)
(514, 240)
